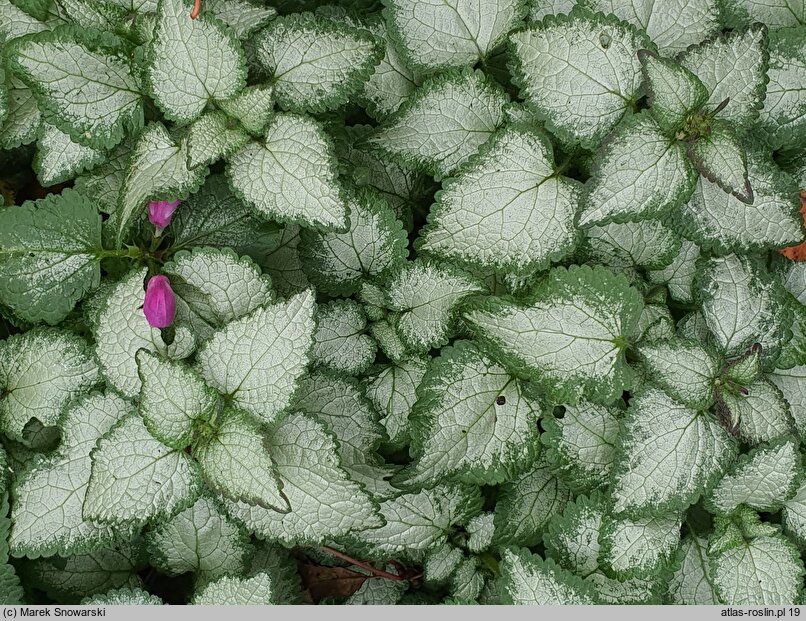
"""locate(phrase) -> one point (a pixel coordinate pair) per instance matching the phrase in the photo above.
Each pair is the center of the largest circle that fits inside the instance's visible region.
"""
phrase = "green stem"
(131, 252)
(152, 265)
(155, 242)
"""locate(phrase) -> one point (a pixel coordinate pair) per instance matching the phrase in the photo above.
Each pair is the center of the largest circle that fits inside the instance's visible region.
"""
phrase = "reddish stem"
(374, 570)
(194, 13)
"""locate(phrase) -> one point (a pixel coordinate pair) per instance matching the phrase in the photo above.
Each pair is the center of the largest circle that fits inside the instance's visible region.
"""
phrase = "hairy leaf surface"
(571, 336)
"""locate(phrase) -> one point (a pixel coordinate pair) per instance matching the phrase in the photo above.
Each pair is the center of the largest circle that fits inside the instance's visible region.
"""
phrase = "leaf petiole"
(130, 252)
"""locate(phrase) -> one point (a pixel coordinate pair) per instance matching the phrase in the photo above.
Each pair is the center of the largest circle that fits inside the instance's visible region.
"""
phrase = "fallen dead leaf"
(797, 252)
(324, 582)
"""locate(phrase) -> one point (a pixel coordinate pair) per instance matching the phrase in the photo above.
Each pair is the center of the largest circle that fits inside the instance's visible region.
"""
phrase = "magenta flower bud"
(160, 212)
(159, 306)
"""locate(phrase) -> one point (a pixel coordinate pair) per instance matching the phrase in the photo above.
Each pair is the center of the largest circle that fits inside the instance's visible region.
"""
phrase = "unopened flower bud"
(159, 306)
(160, 213)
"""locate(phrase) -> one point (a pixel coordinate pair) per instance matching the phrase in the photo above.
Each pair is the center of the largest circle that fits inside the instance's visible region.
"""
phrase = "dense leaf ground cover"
(457, 301)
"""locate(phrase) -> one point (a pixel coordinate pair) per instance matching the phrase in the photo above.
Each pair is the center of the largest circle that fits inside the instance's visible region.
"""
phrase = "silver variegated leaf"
(639, 174)
(340, 404)
(182, 86)
(325, 502)
(672, 26)
(48, 498)
(40, 372)
(572, 334)
(126, 596)
(766, 570)
(792, 383)
(440, 562)
(290, 175)
(646, 243)
(691, 582)
(85, 87)
(733, 66)
(685, 369)
(480, 530)
(81, 575)
(573, 534)
(525, 504)
(234, 461)
(200, 539)
(581, 445)
(214, 287)
(253, 107)
(392, 391)
(426, 295)
(14, 22)
(467, 581)
(257, 360)
(370, 248)
(668, 455)
(507, 209)
(630, 591)
(674, 92)
(23, 117)
(594, 56)
(172, 397)
(443, 122)
(762, 413)
(526, 579)
(242, 16)
(59, 157)
(385, 334)
(720, 158)
(377, 593)
(793, 274)
(136, 478)
(212, 137)
(638, 547)
(678, 276)
(784, 113)
(472, 421)
(339, 342)
(763, 479)
(391, 82)
(774, 14)
(315, 63)
(50, 254)
(236, 591)
(719, 221)
(436, 35)
(741, 305)
(421, 520)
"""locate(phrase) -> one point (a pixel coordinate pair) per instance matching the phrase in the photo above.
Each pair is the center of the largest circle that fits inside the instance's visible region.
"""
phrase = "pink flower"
(159, 306)
(160, 213)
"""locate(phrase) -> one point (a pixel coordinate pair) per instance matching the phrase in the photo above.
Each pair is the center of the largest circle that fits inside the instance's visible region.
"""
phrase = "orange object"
(798, 252)
(194, 13)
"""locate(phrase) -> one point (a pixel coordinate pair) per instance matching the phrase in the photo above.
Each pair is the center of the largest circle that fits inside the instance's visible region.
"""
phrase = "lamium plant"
(471, 301)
